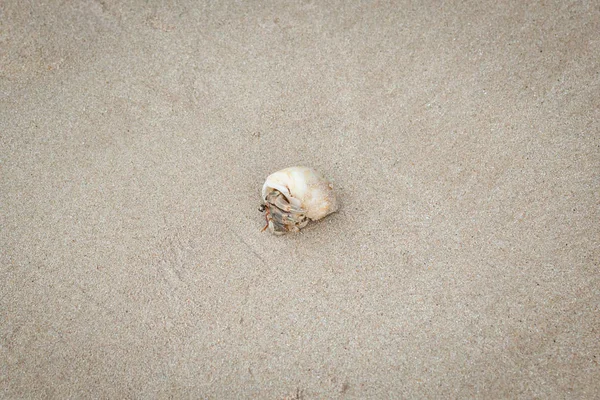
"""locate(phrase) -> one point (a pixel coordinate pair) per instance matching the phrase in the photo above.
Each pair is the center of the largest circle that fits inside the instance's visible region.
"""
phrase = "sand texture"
(463, 140)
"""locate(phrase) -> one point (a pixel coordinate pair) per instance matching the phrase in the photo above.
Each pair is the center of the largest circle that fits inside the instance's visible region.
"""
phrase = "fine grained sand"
(464, 142)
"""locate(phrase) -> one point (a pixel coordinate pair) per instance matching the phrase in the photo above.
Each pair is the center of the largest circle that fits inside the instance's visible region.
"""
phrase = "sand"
(463, 139)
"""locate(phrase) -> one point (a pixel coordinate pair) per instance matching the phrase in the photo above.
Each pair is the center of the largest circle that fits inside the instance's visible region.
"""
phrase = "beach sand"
(463, 140)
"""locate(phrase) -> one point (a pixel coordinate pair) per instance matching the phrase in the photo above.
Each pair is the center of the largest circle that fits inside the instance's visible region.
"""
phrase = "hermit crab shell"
(294, 195)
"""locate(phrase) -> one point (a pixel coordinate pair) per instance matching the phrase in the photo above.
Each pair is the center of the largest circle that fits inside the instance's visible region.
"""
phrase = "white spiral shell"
(309, 194)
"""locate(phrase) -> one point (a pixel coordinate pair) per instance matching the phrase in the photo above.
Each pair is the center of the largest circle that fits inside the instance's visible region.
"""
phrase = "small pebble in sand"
(293, 196)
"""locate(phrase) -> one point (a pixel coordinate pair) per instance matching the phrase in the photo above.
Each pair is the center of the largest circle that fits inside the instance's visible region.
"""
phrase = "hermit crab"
(293, 196)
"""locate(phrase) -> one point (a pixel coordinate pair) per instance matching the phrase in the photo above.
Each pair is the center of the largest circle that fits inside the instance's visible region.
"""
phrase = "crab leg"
(266, 219)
